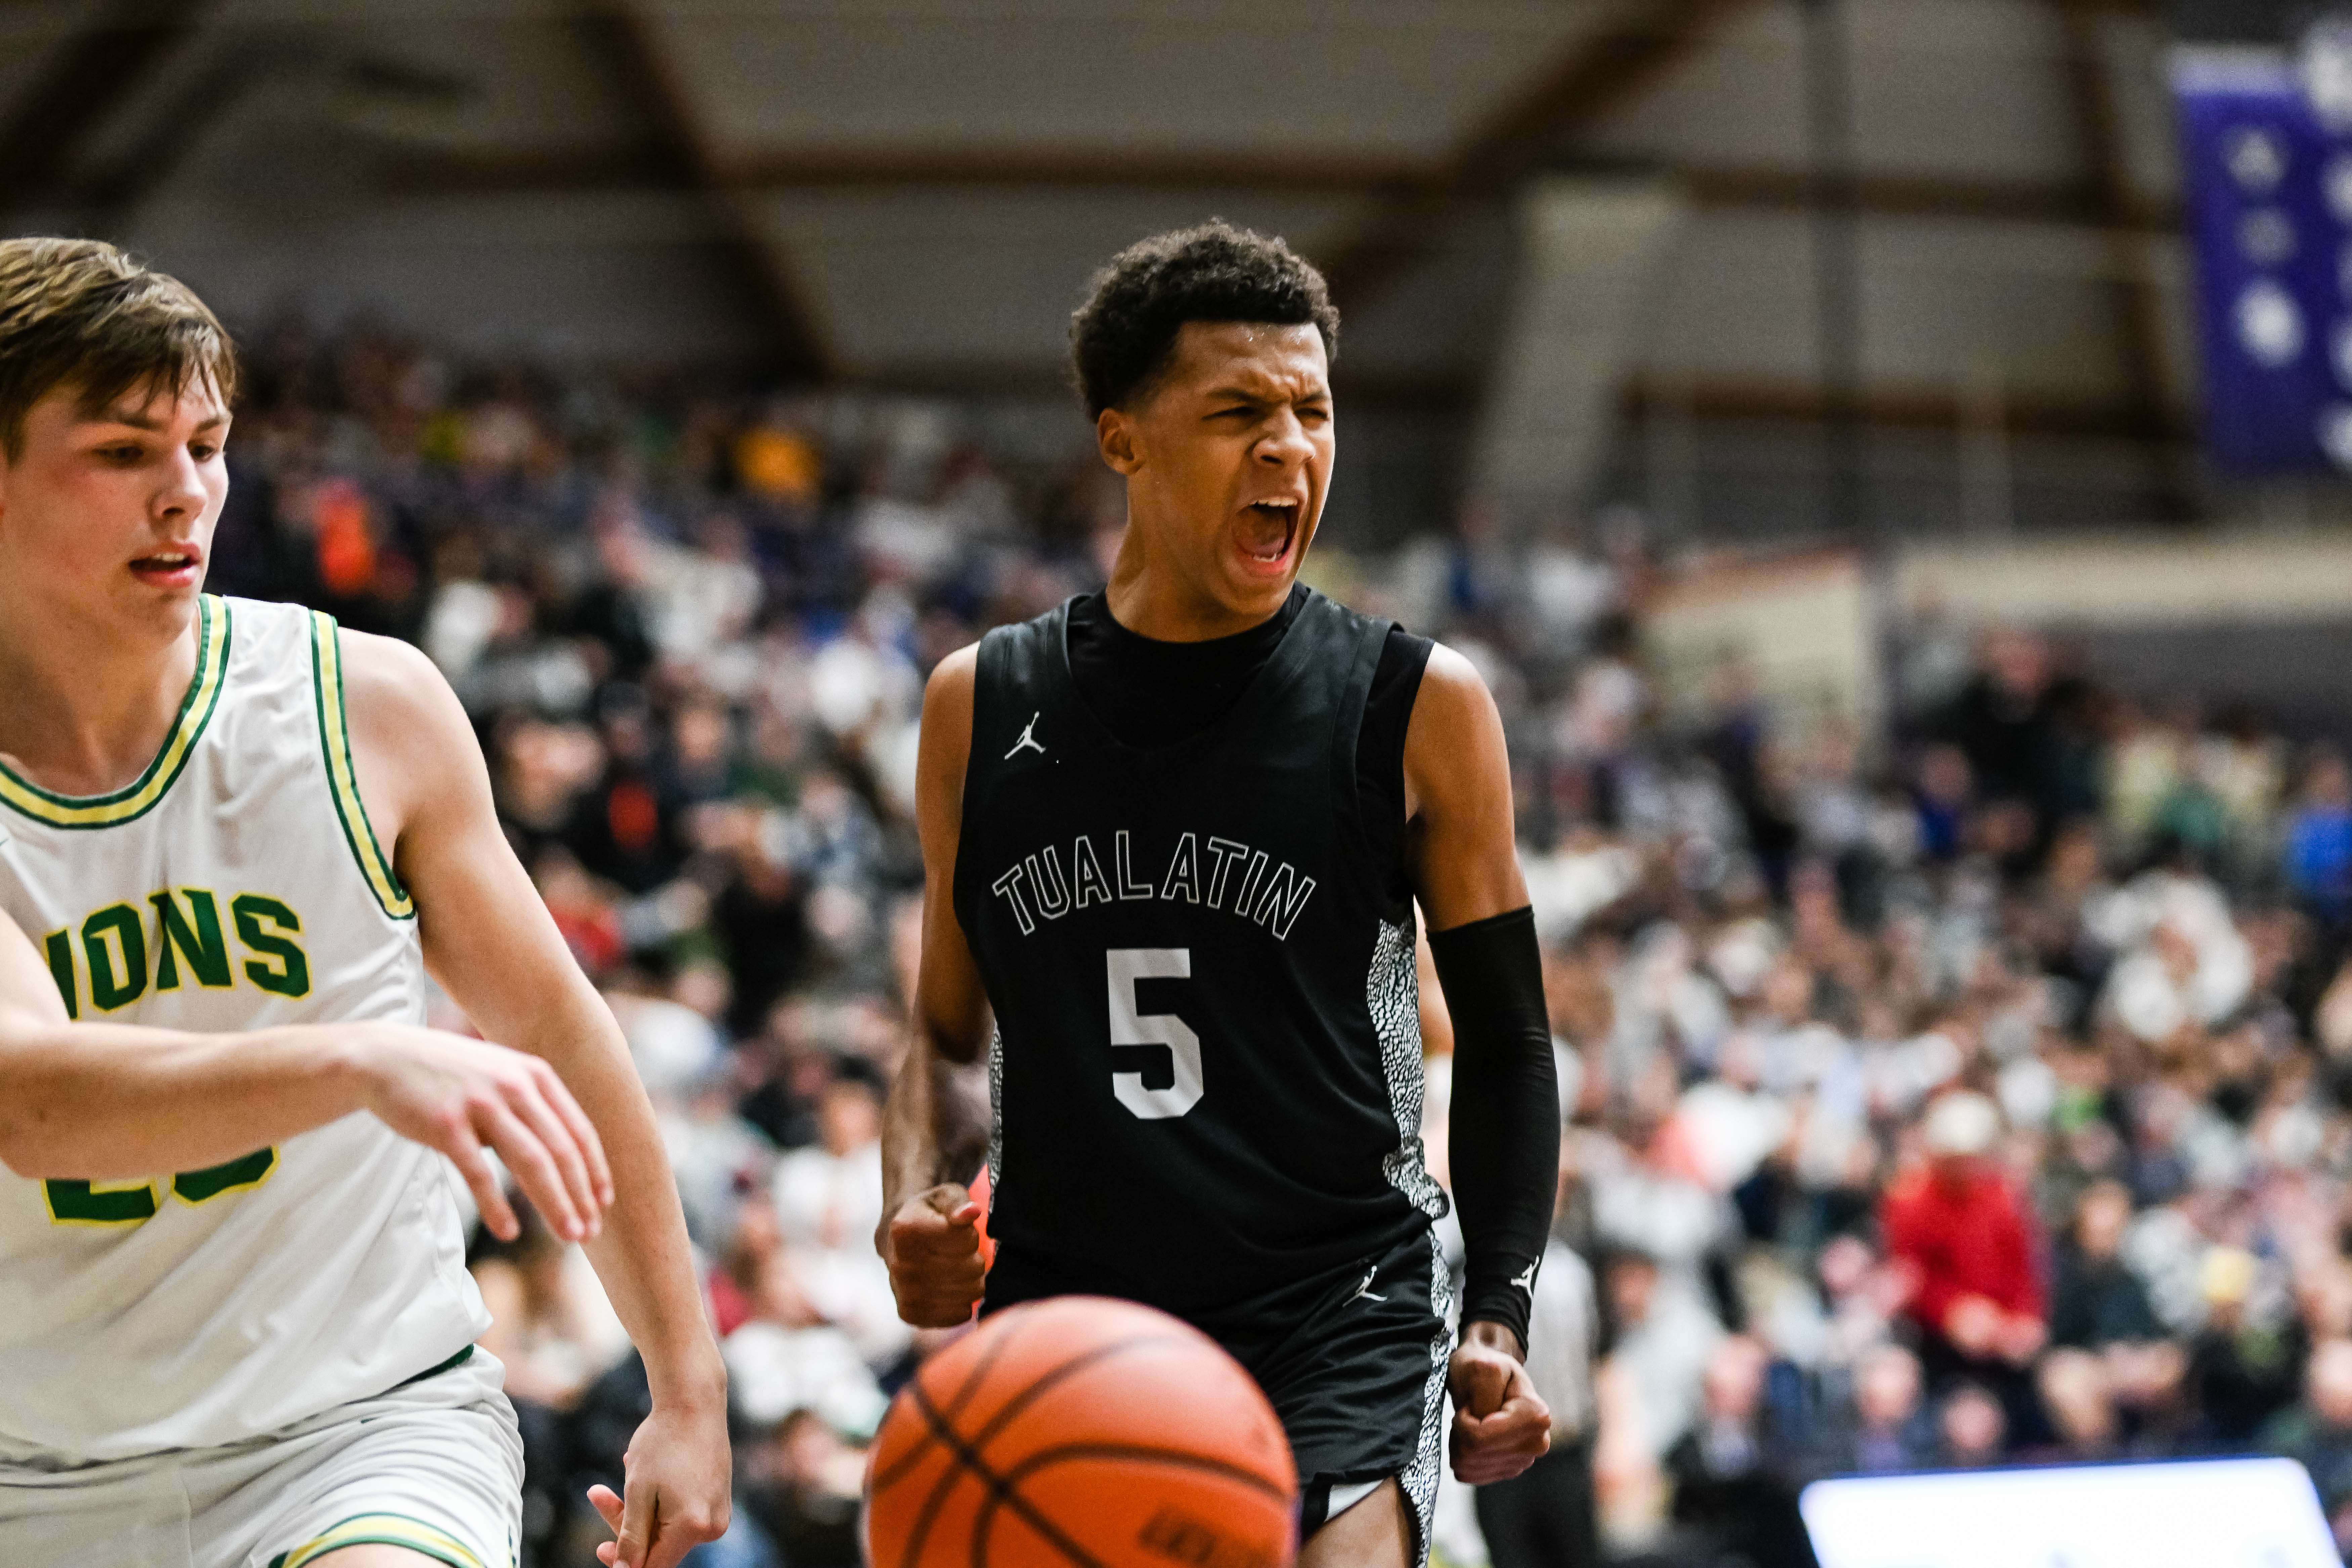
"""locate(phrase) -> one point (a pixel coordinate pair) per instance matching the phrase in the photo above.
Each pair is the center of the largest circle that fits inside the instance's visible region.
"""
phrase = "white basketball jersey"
(236, 885)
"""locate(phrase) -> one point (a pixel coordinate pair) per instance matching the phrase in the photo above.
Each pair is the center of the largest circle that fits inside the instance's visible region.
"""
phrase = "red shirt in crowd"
(1964, 1236)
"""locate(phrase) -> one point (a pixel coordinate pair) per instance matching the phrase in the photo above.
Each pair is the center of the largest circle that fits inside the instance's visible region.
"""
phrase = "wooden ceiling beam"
(1082, 169)
(176, 128)
(1066, 168)
(2073, 204)
(114, 52)
(2143, 326)
(1768, 401)
(1615, 61)
(1731, 187)
(679, 155)
(555, 171)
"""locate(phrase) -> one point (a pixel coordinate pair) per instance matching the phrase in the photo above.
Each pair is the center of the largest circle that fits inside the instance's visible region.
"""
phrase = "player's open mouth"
(165, 568)
(1266, 532)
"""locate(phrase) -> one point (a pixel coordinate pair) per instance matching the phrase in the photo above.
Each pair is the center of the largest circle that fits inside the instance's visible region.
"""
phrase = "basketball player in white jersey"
(236, 1326)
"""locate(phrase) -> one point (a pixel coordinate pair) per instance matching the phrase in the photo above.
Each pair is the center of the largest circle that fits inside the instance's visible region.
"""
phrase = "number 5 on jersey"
(1130, 1025)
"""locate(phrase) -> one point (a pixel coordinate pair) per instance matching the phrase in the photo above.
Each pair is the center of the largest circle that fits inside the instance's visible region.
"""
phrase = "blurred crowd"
(1965, 1087)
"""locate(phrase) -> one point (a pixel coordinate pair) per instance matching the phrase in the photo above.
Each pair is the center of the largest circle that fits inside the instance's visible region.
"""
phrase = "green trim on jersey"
(452, 1365)
(138, 798)
(335, 741)
(381, 1529)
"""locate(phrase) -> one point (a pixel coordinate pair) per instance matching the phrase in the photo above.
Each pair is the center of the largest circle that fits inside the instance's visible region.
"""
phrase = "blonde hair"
(83, 314)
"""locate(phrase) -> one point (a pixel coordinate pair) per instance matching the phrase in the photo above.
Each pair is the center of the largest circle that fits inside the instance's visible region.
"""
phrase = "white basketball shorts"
(434, 1465)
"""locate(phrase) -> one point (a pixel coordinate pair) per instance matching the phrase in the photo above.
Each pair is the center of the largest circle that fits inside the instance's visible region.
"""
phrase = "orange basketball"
(1081, 1433)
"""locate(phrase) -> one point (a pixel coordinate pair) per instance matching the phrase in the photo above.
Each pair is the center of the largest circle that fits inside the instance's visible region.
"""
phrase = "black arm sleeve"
(1505, 1137)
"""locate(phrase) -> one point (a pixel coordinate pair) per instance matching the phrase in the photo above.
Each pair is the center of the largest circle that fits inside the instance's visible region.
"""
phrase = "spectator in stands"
(1663, 1341)
(1731, 1476)
(2095, 1300)
(620, 831)
(1889, 1427)
(807, 1492)
(1941, 798)
(828, 1202)
(788, 1357)
(2004, 721)
(2242, 1371)
(759, 916)
(2317, 1432)
(1961, 1234)
(2319, 842)
(1971, 1427)
(828, 1195)
(2078, 1402)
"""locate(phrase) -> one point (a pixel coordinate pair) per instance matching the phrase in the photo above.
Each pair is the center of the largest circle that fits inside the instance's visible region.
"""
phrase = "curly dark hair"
(1121, 337)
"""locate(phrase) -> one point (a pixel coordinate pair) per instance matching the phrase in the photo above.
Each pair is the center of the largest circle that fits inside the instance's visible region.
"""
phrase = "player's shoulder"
(1454, 747)
(385, 677)
(1019, 644)
(378, 683)
(949, 689)
(945, 742)
(1015, 652)
(952, 694)
(402, 713)
(1452, 691)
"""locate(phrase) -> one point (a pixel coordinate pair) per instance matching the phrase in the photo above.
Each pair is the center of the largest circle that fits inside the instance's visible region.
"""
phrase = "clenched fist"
(1501, 1426)
(932, 1246)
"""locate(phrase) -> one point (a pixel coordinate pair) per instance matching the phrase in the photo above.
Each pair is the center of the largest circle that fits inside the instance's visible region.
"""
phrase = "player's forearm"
(647, 1268)
(910, 1130)
(100, 1101)
(933, 1131)
(1504, 1141)
(642, 1256)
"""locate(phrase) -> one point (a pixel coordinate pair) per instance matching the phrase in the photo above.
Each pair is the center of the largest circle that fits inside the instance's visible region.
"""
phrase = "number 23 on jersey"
(135, 1203)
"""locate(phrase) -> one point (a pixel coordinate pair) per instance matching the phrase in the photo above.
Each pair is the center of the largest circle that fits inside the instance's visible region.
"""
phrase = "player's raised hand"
(1501, 1426)
(461, 1095)
(932, 1246)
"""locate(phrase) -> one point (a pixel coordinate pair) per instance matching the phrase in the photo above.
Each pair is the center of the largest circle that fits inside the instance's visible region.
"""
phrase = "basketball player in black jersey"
(1173, 836)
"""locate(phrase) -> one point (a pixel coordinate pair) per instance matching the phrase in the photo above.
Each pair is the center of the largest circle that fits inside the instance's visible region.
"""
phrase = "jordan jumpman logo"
(1028, 738)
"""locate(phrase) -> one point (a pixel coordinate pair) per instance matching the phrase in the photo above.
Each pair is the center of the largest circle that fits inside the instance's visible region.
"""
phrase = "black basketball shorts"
(1358, 1380)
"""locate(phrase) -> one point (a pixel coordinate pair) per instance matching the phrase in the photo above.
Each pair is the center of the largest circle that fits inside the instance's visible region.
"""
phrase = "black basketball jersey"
(1207, 1066)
